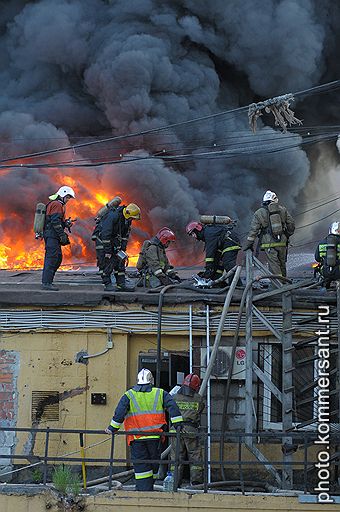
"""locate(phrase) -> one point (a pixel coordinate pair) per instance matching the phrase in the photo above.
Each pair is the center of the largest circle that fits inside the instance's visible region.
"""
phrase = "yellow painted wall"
(47, 363)
(174, 502)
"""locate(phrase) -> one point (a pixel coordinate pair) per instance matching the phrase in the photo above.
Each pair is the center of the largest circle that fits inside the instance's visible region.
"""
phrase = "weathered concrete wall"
(157, 502)
(9, 369)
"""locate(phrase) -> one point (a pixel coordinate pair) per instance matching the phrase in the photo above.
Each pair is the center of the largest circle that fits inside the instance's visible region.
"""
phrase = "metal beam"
(287, 394)
(267, 382)
(266, 323)
(249, 351)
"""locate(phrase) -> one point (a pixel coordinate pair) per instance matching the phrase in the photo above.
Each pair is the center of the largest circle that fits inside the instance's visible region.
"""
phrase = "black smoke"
(78, 69)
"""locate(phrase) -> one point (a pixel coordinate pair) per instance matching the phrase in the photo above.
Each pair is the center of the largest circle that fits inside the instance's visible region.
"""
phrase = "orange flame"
(20, 250)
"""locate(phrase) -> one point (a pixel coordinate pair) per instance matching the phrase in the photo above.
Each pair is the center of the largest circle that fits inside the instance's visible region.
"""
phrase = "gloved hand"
(248, 244)
(110, 430)
(64, 239)
(179, 427)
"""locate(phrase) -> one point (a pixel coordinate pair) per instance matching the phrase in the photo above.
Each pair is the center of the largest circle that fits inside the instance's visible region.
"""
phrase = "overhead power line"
(312, 90)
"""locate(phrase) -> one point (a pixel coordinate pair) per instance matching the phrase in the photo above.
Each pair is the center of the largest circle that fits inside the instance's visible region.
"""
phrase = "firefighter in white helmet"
(54, 234)
(273, 224)
(328, 255)
(143, 408)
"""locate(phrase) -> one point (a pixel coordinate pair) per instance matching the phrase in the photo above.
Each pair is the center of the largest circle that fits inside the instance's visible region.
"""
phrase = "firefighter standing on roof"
(191, 406)
(153, 262)
(143, 408)
(328, 255)
(273, 224)
(221, 247)
(54, 234)
(112, 235)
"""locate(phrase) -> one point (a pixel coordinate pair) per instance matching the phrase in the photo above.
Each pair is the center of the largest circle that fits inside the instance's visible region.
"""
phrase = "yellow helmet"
(131, 211)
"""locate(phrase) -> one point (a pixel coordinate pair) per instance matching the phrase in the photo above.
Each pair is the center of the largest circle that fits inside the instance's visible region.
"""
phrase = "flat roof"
(83, 287)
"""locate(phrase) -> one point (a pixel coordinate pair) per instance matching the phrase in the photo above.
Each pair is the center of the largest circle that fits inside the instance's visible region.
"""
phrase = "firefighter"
(328, 255)
(112, 234)
(54, 234)
(273, 224)
(143, 408)
(191, 405)
(221, 247)
(153, 262)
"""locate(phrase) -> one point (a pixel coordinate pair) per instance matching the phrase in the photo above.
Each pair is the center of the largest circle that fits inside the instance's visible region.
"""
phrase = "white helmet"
(334, 228)
(145, 377)
(63, 192)
(270, 196)
(66, 191)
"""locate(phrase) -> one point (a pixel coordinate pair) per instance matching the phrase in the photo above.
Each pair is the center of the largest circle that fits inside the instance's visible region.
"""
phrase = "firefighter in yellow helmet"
(112, 235)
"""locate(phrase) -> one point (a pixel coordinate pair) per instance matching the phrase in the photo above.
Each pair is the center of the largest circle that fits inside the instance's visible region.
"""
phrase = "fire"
(20, 250)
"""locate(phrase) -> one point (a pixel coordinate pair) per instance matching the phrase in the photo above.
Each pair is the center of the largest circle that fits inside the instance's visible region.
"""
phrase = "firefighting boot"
(49, 287)
(121, 285)
(109, 287)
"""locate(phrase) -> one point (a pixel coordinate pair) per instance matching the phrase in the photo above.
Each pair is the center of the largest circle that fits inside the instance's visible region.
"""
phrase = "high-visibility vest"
(146, 413)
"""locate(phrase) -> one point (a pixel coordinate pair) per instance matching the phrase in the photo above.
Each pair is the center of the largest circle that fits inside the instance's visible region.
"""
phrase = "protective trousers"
(53, 259)
(330, 275)
(277, 260)
(108, 265)
(145, 472)
(226, 262)
(190, 450)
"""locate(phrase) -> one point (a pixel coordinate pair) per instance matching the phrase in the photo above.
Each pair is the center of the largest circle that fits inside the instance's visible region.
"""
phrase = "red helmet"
(165, 235)
(192, 226)
(192, 381)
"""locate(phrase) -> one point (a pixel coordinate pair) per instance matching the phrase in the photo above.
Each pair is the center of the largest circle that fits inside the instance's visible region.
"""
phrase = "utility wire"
(312, 90)
(206, 155)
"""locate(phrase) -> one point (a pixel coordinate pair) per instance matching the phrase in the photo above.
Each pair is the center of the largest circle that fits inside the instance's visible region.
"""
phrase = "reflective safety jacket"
(143, 408)
(260, 226)
(55, 219)
(191, 405)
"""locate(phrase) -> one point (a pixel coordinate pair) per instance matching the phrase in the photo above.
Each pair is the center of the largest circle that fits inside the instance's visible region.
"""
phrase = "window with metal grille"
(45, 406)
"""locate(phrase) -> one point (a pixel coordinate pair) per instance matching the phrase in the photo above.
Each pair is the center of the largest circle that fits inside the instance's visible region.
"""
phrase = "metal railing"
(302, 443)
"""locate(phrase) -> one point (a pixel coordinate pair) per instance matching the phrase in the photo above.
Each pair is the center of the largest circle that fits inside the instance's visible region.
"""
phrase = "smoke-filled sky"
(71, 70)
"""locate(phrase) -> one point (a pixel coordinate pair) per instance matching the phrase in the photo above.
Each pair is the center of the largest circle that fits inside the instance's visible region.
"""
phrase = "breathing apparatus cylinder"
(275, 220)
(331, 250)
(215, 219)
(39, 220)
(114, 203)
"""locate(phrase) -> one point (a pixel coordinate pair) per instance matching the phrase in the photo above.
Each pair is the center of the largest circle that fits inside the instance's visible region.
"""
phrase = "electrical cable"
(312, 90)
(318, 220)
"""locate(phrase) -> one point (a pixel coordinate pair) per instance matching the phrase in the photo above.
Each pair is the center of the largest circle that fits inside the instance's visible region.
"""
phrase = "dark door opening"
(174, 367)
